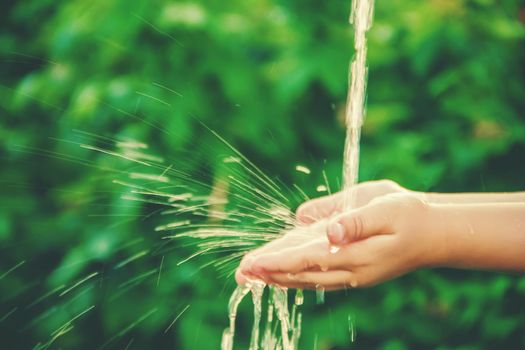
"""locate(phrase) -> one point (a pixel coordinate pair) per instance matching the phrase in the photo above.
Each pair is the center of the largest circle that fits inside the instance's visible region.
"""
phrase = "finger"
(293, 259)
(292, 238)
(243, 278)
(313, 255)
(370, 220)
(329, 280)
(272, 246)
(240, 278)
(319, 208)
(247, 261)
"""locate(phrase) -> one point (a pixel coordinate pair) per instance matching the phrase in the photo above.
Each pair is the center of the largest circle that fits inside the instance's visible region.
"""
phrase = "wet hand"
(300, 235)
(389, 236)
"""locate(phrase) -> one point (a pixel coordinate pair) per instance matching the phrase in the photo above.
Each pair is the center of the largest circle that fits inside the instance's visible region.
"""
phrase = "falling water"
(229, 333)
(257, 289)
(361, 18)
(280, 300)
(269, 341)
(290, 326)
(297, 318)
(319, 294)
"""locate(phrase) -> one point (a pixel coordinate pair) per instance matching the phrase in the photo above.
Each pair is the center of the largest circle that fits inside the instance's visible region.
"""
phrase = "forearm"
(459, 198)
(482, 236)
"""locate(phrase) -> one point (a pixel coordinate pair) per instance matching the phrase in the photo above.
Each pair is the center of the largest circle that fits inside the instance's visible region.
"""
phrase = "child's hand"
(362, 194)
(294, 238)
(385, 238)
(316, 214)
(389, 232)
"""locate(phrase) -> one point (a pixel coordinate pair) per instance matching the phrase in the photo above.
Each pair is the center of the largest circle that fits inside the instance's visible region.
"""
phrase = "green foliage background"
(446, 101)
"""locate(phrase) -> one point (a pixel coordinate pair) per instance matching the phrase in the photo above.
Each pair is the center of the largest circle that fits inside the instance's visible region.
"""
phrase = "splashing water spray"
(361, 18)
(261, 215)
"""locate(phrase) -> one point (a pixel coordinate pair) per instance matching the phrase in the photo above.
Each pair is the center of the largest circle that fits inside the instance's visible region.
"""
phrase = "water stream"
(290, 327)
(228, 335)
(257, 289)
(361, 17)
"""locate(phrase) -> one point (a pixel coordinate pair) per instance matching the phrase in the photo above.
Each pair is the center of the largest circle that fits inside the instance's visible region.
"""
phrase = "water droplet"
(334, 249)
(319, 294)
(321, 188)
(302, 169)
(299, 297)
(351, 328)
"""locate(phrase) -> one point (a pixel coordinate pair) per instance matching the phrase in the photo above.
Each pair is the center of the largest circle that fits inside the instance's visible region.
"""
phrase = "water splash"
(263, 214)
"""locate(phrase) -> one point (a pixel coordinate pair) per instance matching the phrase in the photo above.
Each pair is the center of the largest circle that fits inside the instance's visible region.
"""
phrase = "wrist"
(419, 222)
(483, 235)
(444, 245)
(458, 245)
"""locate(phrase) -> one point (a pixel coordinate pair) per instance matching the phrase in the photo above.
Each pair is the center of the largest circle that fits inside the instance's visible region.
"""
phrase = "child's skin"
(391, 231)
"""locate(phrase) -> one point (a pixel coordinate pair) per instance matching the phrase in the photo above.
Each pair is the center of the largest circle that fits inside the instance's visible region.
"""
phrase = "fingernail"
(336, 232)
(306, 218)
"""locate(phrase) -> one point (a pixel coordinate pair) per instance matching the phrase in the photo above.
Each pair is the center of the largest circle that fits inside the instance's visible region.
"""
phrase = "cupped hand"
(389, 236)
(316, 214)
(302, 234)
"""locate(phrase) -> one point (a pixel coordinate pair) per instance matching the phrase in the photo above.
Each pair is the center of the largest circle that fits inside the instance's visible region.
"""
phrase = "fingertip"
(240, 278)
(335, 233)
(246, 262)
(247, 270)
(259, 267)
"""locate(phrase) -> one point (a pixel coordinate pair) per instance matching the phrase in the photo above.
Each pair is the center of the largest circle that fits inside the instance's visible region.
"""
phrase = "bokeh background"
(446, 102)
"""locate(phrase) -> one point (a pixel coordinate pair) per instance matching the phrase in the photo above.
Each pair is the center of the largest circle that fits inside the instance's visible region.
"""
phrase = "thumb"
(372, 219)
